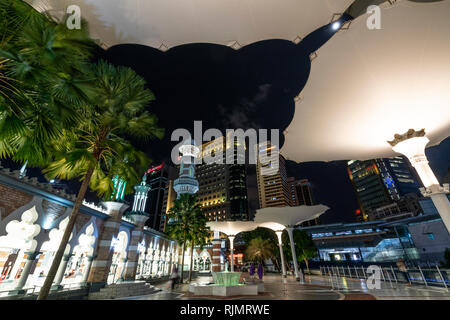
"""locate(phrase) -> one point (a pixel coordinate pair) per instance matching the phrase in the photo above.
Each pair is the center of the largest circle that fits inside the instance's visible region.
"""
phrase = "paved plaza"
(313, 288)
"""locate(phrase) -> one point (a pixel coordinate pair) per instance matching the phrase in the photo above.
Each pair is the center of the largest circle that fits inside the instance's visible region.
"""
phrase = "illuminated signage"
(154, 169)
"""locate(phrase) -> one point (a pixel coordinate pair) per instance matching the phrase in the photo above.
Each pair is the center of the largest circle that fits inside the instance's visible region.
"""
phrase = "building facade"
(157, 179)
(419, 239)
(380, 182)
(271, 177)
(104, 247)
(302, 195)
(223, 184)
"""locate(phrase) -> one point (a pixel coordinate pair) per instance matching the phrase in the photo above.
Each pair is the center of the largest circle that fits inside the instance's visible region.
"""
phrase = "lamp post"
(412, 145)
(280, 244)
(231, 238)
(294, 254)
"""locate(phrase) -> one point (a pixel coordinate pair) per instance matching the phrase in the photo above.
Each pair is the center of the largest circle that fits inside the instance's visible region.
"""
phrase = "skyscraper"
(380, 182)
(302, 195)
(273, 189)
(301, 192)
(222, 187)
(169, 197)
(157, 179)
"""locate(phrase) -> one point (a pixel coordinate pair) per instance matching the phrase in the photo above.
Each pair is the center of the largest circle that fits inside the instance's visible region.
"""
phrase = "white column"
(414, 150)
(61, 269)
(294, 254)
(88, 269)
(280, 244)
(31, 256)
(231, 238)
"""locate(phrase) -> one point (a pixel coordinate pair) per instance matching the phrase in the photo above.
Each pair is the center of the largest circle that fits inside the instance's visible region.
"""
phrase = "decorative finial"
(411, 133)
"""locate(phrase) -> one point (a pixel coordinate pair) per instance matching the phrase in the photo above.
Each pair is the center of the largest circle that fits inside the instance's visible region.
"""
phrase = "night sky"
(253, 87)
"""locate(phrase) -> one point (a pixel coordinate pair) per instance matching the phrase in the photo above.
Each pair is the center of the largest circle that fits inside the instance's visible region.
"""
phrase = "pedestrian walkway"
(387, 291)
(312, 288)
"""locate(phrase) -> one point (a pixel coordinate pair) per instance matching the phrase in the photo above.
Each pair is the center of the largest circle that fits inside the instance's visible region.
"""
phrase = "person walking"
(173, 277)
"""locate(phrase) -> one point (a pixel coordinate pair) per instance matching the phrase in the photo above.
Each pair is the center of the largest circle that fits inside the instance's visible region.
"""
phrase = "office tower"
(301, 192)
(380, 182)
(222, 184)
(398, 177)
(273, 189)
(169, 197)
(157, 178)
(302, 195)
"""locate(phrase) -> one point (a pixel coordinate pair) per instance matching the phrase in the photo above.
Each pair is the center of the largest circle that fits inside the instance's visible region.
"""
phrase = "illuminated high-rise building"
(273, 188)
(380, 182)
(157, 179)
(222, 184)
(302, 195)
(301, 192)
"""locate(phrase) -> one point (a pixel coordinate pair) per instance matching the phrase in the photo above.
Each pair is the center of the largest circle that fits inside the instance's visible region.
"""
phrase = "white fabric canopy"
(232, 228)
(168, 23)
(280, 217)
(367, 85)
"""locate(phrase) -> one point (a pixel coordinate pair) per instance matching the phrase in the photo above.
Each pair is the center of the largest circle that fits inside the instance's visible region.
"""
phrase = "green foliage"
(268, 235)
(262, 233)
(305, 248)
(98, 142)
(44, 79)
(187, 222)
(259, 250)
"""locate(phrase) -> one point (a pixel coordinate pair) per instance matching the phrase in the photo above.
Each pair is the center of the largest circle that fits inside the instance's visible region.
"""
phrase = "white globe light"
(336, 25)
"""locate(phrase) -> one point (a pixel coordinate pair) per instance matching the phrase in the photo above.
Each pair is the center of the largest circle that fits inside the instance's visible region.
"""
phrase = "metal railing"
(429, 277)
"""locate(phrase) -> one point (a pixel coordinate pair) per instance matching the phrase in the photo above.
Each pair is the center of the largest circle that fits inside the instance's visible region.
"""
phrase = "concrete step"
(123, 290)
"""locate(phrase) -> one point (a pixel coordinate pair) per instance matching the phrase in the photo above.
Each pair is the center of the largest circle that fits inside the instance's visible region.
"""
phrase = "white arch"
(55, 237)
(84, 231)
(21, 234)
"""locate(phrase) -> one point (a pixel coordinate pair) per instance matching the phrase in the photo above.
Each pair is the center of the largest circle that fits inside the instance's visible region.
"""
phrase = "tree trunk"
(277, 264)
(307, 265)
(182, 263)
(192, 258)
(43, 293)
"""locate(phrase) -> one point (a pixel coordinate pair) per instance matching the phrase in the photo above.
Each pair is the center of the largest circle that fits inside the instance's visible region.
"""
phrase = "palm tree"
(269, 235)
(198, 236)
(96, 150)
(182, 218)
(44, 79)
(259, 250)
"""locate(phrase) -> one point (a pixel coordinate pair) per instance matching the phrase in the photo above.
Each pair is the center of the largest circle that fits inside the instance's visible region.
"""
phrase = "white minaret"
(140, 195)
(186, 182)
